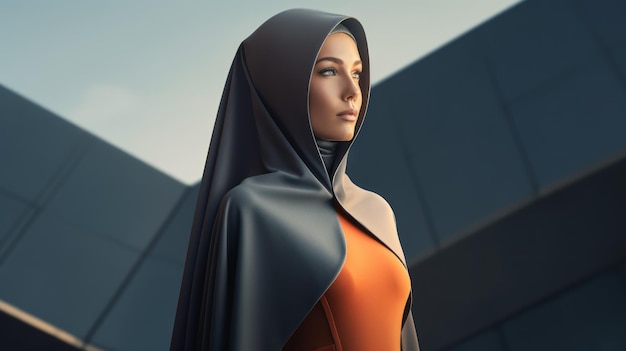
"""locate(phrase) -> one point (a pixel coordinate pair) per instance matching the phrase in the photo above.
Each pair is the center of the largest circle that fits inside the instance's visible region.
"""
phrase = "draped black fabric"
(266, 242)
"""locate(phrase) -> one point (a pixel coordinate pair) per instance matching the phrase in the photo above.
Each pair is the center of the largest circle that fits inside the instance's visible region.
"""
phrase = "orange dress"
(363, 308)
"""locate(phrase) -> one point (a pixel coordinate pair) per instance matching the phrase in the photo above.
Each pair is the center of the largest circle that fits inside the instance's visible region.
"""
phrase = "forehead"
(340, 45)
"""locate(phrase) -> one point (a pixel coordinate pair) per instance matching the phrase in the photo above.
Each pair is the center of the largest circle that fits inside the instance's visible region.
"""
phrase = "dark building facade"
(505, 162)
(506, 149)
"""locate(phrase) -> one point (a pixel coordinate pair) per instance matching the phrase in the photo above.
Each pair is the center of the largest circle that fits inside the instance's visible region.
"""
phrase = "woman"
(286, 253)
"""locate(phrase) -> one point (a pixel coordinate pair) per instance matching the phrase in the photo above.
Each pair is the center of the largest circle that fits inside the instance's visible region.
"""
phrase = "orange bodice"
(363, 308)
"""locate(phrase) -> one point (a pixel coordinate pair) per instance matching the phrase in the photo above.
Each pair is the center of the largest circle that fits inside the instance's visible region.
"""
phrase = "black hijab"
(266, 242)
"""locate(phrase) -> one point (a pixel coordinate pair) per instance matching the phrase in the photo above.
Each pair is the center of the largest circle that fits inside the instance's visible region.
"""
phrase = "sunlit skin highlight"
(334, 94)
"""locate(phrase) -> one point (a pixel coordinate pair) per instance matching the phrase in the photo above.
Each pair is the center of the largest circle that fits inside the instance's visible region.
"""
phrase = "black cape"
(266, 242)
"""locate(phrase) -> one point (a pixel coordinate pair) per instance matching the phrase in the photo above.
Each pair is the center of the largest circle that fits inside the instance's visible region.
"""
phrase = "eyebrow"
(336, 60)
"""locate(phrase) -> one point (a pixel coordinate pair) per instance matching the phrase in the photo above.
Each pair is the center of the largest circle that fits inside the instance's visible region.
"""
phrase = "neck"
(327, 150)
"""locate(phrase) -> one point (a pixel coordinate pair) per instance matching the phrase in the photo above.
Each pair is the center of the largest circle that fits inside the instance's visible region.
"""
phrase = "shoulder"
(380, 202)
(249, 192)
(239, 202)
(244, 193)
(367, 198)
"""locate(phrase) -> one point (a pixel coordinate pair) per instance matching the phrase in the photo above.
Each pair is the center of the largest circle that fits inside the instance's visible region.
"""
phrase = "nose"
(352, 89)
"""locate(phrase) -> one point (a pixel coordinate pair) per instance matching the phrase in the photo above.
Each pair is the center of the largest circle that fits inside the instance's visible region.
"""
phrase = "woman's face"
(335, 95)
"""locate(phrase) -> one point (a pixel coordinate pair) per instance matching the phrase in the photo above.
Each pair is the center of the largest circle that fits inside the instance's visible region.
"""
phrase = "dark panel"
(538, 250)
(143, 317)
(11, 212)
(589, 317)
(621, 269)
(34, 145)
(63, 273)
(605, 19)
(619, 56)
(456, 133)
(19, 336)
(117, 196)
(485, 341)
(172, 244)
(378, 163)
(534, 43)
(573, 123)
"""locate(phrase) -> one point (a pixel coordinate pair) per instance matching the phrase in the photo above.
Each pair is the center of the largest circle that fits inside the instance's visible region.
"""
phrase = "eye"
(330, 71)
(356, 74)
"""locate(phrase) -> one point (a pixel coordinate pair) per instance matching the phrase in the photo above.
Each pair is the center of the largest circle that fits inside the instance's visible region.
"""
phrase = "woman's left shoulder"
(369, 198)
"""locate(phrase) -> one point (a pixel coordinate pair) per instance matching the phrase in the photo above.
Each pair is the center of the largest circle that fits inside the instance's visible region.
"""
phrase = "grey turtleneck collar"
(328, 151)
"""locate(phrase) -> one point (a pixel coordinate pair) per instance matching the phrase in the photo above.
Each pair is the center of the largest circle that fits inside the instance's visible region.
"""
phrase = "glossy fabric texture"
(266, 242)
(363, 308)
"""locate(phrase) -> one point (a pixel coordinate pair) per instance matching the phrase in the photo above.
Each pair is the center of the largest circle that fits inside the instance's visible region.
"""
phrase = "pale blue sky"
(147, 75)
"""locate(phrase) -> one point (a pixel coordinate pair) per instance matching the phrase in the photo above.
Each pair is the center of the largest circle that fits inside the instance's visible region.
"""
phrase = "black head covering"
(266, 242)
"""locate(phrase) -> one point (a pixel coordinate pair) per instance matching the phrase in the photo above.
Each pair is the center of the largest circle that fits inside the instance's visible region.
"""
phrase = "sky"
(147, 75)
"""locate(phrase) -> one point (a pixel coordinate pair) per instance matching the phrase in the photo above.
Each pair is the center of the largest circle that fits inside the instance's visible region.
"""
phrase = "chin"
(345, 137)
(337, 134)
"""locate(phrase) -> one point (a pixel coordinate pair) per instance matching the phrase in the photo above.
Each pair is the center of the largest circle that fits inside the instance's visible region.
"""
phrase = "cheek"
(318, 101)
(360, 97)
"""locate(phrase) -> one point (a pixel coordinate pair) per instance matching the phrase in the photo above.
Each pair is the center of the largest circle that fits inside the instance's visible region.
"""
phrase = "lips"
(349, 115)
